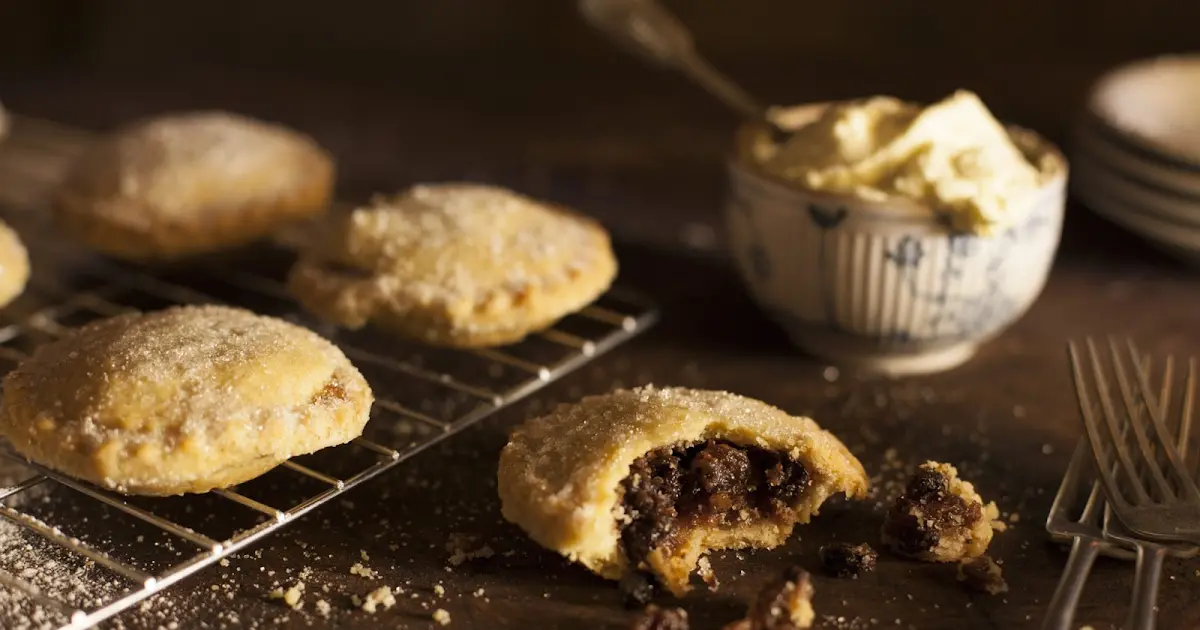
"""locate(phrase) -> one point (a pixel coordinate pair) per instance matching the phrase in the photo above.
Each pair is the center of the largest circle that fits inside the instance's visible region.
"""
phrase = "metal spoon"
(647, 29)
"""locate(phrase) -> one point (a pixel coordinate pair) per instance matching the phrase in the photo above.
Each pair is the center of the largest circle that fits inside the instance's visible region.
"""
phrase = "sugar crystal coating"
(456, 264)
(181, 400)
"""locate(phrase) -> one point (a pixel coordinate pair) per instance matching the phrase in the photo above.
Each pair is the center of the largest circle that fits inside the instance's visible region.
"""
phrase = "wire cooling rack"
(141, 545)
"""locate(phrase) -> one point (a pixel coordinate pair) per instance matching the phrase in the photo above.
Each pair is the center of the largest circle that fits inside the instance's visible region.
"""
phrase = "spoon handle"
(647, 29)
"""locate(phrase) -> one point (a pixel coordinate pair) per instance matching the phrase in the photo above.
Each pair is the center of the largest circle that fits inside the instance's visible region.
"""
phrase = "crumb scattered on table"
(381, 596)
(845, 560)
(291, 596)
(785, 600)
(359, 569)
(657, 618)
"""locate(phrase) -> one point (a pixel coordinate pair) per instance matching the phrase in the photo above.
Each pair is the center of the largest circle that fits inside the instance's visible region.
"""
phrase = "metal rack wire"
(424, 395)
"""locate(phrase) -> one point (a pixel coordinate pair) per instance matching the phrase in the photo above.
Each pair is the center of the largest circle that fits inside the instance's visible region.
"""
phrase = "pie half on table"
(651, 479)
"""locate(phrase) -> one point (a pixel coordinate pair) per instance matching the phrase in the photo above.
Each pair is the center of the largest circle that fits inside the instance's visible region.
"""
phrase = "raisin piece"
(721, 468)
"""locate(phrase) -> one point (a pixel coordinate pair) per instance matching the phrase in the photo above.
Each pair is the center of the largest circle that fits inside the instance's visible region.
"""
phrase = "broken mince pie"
(651, 479)
(939, 517)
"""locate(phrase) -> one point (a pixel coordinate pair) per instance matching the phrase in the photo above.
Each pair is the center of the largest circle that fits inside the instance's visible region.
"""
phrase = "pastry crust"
(455, 264)
(181, 400)
(940, 517)
(560, 476)
(14, 265)
(192, 183)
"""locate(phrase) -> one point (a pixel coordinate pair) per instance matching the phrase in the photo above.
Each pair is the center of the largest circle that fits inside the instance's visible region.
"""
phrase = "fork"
(1166, 506)
(1150, 555)
(1094, 532)
(1085, 533)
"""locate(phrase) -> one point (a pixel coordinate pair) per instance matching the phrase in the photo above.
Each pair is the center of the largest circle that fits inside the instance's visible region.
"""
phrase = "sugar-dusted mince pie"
(455, 264)
(14, 265)
(652, 479)
(192, 183)
(939, 517)
(185, 399)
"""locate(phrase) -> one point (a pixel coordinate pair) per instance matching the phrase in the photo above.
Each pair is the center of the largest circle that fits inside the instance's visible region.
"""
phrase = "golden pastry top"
(952, 156)
(154, 399)
(180, 162)
(466, 246)
(14, 264)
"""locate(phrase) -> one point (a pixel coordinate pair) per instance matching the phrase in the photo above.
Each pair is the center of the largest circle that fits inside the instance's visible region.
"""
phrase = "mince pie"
(192, 183)
(454, 264)
(185, 399)
(652, 479)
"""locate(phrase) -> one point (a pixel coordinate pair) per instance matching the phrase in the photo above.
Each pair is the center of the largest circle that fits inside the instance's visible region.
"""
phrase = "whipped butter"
(953, 157)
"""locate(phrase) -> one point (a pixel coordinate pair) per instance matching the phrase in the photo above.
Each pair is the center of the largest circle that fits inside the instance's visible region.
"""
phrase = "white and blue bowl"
(886, 286)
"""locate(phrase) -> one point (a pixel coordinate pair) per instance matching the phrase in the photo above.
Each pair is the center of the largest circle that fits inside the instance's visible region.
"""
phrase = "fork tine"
(1134, 409)
(1186, 484)
(1117, 434)
(1189, 396)
(1104, 467)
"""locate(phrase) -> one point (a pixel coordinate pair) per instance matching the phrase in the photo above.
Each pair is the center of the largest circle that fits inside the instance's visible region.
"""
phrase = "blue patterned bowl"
(886, 286)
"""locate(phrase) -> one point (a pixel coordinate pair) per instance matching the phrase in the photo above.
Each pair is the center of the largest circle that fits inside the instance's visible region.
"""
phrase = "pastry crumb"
(441, 617)
(291, 596)
(367, 572)
(460, 548)
(381, 596)
(705, 571)
(785, 600)
(323, 608)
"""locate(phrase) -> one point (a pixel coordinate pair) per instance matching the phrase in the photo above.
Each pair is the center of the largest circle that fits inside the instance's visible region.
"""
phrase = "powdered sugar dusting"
(456, 242)
(171, 161)
(153, 394)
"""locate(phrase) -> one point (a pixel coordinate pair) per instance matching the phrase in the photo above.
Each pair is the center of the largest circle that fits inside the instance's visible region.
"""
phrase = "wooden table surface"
(650, 168)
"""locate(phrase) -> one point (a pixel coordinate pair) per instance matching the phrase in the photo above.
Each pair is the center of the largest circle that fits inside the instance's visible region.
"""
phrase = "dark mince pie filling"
(707, 484)
(941, 513)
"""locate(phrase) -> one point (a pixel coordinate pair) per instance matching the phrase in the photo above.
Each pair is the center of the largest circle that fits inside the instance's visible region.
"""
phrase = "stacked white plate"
(1135, 155)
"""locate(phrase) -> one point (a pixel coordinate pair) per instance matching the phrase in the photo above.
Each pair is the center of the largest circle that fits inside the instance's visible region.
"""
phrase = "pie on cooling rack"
(181, 400)
(939, 517)
(455, 264)
(652, 479)
(192, 183)
(14, 265)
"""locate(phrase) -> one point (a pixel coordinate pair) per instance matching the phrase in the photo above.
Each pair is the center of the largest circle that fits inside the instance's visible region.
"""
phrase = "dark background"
(401, 91)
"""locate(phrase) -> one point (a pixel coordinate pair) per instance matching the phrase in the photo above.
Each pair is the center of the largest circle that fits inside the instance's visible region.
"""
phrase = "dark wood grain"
(647, 162)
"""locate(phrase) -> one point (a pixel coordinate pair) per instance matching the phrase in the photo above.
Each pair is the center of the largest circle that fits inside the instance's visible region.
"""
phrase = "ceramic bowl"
(886, 286)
